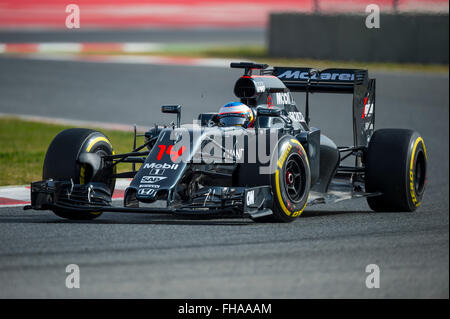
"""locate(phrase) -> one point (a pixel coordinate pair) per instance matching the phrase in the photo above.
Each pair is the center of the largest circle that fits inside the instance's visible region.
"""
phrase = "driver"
(236, 114)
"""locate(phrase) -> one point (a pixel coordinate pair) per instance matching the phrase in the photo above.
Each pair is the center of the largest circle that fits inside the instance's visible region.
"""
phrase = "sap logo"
(260, 87)
(296, 116)
(161, 166)
(283, 98)
(250, 197)
(298, 75)
(151, 179)
(146, 191)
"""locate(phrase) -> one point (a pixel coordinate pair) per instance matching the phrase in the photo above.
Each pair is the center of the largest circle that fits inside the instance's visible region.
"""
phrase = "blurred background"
(188, 13)
(316, 29)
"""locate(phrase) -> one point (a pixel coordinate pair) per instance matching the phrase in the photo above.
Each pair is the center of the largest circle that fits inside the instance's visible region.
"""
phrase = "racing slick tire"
(396, 166)
(290, 182)
(61, 163)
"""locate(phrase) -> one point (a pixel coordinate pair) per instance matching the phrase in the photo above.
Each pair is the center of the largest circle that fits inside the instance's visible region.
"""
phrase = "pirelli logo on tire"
(284, 155)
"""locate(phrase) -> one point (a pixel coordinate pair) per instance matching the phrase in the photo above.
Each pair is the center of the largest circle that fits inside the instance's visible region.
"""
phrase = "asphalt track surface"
(222, 36)
(322, 254)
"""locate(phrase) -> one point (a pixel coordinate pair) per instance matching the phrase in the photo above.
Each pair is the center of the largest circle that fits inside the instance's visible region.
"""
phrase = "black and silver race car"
(269, 172)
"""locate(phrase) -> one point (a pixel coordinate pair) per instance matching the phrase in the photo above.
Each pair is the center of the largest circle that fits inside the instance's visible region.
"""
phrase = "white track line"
(130, 59)
(61, 121)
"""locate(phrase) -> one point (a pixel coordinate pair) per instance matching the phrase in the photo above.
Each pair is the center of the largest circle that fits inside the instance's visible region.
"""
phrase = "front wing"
(214, 202)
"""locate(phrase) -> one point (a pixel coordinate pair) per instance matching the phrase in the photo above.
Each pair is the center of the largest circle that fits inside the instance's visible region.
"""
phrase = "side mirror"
(275, 112)
(171, 109)
(174, 109)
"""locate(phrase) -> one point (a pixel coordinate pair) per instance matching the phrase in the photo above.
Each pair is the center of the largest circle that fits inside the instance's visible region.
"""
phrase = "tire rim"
(419, 174)
(294, 178)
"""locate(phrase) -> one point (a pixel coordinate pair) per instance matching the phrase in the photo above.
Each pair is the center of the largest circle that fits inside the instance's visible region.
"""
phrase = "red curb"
(21, 48)
(9, 201)
(118, 194)
(113, 47)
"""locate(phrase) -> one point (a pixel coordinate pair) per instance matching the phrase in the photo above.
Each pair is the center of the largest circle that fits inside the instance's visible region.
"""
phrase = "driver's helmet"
(236, 114)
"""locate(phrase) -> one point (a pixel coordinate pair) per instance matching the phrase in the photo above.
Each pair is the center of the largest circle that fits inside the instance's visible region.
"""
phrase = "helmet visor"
(232, 120)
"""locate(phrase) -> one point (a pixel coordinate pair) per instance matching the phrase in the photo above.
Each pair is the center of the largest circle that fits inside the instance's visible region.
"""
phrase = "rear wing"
(324, 81)
(350, 81)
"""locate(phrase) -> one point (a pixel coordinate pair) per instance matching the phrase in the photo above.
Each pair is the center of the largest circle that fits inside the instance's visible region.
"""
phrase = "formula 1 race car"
(268, 172)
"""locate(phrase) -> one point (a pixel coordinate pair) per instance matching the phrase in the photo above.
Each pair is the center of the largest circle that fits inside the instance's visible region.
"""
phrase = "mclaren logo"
(302, 75)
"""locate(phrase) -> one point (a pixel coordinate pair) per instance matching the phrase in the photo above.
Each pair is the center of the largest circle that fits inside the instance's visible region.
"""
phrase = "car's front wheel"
(61, 163)
(291, 182)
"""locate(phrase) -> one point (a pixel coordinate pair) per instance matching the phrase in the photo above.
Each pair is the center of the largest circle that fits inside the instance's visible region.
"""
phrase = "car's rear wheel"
(61, 163)
(396, 167)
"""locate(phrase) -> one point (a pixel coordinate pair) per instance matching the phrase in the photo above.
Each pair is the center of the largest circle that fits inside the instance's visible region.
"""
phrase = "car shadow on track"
(321, 213)
(111, 219)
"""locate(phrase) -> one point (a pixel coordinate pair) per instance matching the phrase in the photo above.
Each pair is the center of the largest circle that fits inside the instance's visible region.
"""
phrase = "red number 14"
(174, 154)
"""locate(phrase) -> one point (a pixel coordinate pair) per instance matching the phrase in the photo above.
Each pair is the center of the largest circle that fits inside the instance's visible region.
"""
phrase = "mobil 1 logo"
(159, 169)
